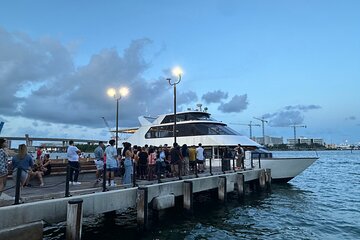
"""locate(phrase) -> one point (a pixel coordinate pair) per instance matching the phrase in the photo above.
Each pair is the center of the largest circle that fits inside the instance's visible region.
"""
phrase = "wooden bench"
(59, 168)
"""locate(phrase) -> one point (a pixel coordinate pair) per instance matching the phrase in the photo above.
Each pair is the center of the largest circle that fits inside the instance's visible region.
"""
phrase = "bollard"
(240, 180)
(104, 179)
(188, 196)
(211, 173)
(74, 219)
(142, 208)
(17, 187)
(222, 189)
(67, 188)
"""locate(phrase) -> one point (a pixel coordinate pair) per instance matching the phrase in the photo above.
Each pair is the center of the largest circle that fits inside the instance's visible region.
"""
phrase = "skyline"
(288, 62)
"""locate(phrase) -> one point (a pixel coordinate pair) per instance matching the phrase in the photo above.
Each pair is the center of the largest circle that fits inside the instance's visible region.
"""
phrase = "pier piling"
(142, 207)
(262, 180)
(188, 196)
(268, 179)
(74, 219)
(240, 181)
(222, 191)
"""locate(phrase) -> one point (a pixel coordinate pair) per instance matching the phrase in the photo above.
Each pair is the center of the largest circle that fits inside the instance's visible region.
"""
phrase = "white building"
(308, 141)
(271, 141)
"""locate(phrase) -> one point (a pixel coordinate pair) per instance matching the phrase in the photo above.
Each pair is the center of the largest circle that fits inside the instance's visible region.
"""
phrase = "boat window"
(190, 129)
(188, 117)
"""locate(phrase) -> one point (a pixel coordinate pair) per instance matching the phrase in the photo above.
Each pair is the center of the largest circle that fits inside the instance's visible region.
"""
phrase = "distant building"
(304, 140)
(271, 141)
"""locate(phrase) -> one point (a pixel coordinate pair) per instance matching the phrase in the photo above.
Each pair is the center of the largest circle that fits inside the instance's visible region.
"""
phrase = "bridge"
(65, 141)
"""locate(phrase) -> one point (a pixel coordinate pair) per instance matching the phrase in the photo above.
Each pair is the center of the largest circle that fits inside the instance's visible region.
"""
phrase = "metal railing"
(212, 166)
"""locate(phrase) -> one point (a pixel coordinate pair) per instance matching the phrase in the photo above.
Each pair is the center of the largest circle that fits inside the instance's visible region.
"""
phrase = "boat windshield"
(189, 129)
(190, 116)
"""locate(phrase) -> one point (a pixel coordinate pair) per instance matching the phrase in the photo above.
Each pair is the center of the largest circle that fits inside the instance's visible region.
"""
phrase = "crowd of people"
(24, 164)
(150, 162)
(142, 162)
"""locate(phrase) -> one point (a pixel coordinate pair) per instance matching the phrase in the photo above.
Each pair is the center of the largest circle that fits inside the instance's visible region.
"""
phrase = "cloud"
(289, 115)
(237, 104)
(303, 108)
(186, 98)
(214, 97)
(351, 118)
(43, 84)
(286, 118)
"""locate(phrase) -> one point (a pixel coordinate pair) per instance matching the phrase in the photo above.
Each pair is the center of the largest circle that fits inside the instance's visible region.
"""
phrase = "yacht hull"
(285, 169)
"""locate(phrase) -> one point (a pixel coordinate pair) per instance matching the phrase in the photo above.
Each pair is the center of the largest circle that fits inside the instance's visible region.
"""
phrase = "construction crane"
(263, 128)
(107, 124)
(296, 126)
(248, 124)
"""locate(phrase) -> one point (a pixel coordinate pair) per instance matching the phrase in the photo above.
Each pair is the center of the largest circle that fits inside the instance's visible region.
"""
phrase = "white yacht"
(194, 127)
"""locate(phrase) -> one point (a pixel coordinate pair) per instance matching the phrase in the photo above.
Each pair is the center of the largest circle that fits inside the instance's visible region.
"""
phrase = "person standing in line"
(185, 155)
(160, 162)
(111, 162)
(240, 155)
(128, 164)
(22, 161)
(143, 160)
(3, 164)
(73, 160)
(176, 160)
(192, 157)
(151, 163)
(99, 160)
(200, 158)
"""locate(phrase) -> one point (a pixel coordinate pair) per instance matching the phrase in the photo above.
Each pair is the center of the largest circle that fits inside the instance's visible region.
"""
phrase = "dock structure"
(29, 141)
(143, 198)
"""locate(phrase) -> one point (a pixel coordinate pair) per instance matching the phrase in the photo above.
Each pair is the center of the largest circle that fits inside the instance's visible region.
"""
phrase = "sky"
(289, 62)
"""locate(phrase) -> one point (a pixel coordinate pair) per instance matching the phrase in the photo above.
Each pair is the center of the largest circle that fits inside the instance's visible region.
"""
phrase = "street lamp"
(177, 72)
(122, 93)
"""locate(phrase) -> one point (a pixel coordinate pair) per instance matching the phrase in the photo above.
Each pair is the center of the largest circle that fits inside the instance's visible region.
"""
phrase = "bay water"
(321, 203)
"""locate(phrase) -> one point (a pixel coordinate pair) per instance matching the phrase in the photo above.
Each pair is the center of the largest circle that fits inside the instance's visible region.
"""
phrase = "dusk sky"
(291, 62)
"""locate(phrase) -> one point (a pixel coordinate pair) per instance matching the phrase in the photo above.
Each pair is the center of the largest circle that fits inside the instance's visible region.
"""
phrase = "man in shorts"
(200, 158)
(99, 160)
(111, 162)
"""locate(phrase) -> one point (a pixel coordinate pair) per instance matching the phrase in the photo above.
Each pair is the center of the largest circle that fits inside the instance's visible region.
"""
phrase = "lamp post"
(117, 96)
(177, 72)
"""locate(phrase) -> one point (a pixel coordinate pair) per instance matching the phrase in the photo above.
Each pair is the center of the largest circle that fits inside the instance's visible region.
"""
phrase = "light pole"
(122, 93)
(177, 72)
